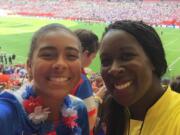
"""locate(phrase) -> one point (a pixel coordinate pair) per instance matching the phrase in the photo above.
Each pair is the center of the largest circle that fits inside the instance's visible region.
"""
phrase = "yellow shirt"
(163, 118)
(135, 126)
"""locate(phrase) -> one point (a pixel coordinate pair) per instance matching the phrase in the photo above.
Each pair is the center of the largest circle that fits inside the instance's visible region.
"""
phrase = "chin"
(123, 101)
(57, 94)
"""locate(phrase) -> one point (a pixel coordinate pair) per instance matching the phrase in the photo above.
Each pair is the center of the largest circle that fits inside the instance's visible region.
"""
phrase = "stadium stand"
(150, 11)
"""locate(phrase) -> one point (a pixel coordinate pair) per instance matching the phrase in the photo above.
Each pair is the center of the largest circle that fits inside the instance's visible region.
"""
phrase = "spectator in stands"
(45, 106)
(152, 12)
(1, 58)
(10, 60)
(165, 81)
(5, 59)
(90, 46)
(13, 56)
(132, 63)
(175, 84)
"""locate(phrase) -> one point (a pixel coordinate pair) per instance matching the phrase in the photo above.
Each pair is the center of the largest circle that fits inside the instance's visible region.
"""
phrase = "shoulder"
(12, 96)
(84, 77)
(10, 116)
(8, 104)
(174, 97)
(7, 98)
(7, 95)
(172, 103)
(85, 89)
(173, 119)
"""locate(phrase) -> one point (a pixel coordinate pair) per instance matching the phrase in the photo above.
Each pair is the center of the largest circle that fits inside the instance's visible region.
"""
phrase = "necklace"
(38, 114)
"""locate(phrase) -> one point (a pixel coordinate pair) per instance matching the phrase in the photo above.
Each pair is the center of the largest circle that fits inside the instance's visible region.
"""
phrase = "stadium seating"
(150, 11)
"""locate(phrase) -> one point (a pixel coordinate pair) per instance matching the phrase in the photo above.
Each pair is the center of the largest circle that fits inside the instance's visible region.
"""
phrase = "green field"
(16, 33)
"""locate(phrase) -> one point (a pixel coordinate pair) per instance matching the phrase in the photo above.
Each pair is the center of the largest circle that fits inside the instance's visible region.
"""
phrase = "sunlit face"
(125, 68)
(56, 65)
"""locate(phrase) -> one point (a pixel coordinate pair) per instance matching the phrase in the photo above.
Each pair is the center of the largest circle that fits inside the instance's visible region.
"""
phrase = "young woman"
(45, 107)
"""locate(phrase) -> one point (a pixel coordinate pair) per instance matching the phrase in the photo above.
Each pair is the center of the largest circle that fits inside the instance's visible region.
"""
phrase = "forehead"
(59, 39)
(116, 40)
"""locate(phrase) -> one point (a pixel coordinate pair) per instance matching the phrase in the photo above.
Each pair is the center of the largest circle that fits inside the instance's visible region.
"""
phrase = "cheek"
(145, 79)
(76, 68)
(38, 74)
(39, 69)
(106, 78)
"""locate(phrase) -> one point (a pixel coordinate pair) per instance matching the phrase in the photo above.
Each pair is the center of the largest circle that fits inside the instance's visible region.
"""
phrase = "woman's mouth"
(122, 86)
(58, 79)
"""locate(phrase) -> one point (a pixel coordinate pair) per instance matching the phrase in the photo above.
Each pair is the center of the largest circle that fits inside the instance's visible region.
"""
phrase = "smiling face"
(125, 68)
(55, 65)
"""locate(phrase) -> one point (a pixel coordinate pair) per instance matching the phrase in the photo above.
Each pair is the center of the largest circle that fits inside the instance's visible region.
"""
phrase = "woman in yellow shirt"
(132, 64)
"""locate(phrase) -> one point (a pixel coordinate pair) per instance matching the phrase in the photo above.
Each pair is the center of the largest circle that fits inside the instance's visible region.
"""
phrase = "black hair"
(148, 39)
(43, 31)
(88, 39)
(108, 113)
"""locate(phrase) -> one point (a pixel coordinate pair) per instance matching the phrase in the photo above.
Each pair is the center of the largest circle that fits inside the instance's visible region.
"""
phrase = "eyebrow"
(53, 48)
(72, 49)
(47, 48)
(127, 48)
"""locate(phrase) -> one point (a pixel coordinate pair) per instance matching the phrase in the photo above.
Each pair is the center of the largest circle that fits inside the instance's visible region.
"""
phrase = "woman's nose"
(60, 63)
(116, 68)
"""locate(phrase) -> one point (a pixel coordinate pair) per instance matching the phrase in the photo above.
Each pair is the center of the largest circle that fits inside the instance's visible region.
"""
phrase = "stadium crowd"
(153, 12)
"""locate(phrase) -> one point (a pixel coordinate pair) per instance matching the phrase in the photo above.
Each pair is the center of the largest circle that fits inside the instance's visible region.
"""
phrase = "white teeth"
(122, 86)
(62, 79)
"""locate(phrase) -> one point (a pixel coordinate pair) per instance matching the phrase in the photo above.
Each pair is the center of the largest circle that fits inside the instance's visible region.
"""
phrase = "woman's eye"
(72, 57)
(105, 62)
(47, 55)
(127, 56)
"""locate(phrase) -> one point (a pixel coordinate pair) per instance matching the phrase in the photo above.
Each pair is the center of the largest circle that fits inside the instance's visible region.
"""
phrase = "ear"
(29, 69)
(86, 53)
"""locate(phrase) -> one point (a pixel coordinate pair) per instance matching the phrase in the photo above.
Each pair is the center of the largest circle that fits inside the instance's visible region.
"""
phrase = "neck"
(54, 106)
(139, 109)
